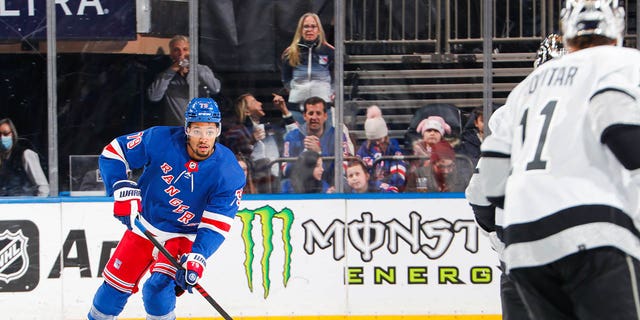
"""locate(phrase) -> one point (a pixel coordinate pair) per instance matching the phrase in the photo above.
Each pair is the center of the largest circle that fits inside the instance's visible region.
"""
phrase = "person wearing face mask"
(378, 144)
(20, 171)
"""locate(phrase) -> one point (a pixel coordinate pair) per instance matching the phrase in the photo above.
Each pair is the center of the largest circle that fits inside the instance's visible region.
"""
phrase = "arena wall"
(302, 258)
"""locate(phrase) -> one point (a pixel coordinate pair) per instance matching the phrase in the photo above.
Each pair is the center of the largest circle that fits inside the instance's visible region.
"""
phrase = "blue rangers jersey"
(389, 172)
(179, 195)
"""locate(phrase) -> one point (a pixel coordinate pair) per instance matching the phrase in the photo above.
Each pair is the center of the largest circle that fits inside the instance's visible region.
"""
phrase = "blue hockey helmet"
(202, 110)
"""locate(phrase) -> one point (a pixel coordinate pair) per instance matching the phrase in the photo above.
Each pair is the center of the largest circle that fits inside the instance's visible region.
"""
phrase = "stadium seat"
(449, 112)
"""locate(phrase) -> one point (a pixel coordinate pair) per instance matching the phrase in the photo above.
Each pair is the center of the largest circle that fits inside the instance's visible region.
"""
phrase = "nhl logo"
(14, 260)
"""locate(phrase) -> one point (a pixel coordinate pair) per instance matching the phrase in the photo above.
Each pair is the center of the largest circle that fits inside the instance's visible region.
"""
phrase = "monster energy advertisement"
(294, 258)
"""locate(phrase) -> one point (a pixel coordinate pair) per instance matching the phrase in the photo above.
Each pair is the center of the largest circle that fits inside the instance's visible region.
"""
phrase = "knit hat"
(434, 122)
(375, 127)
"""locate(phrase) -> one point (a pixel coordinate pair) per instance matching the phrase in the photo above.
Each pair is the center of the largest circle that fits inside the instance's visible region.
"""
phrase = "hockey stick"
(175, 263)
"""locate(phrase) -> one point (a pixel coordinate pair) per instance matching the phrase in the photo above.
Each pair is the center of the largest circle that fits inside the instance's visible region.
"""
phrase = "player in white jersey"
(563, 166)
(486, 214)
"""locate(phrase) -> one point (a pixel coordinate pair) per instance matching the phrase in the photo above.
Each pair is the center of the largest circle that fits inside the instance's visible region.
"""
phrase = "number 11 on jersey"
(537, 163)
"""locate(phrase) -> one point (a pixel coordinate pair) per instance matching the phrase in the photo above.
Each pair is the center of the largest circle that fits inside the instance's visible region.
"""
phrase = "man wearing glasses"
(187, 196)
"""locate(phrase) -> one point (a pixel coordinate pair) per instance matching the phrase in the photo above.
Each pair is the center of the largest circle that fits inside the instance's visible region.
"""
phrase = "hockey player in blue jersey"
(187, 196)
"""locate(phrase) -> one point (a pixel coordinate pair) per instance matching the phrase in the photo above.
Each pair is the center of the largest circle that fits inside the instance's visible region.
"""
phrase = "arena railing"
(463, 162)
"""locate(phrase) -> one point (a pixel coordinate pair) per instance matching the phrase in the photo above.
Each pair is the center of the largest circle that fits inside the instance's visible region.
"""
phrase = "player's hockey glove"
(193, 266)
(127, 203)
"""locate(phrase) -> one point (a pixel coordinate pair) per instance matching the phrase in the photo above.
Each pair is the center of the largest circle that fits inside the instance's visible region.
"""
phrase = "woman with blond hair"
(307, 63)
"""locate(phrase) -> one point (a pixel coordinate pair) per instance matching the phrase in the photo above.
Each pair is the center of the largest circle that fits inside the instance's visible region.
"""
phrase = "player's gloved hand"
(193, 264)
(127, 203)
(496, 244)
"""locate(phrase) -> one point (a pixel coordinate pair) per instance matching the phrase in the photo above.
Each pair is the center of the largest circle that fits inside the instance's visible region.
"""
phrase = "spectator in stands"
(172, 85)
(249, 187)
(307, 63)
(451, 115)
(20, 171)
(358, 179)
(237, 136)
(378, 144)
(306, 175)
(432, 130)
(316, 135)
(441, 174)
(472, 136)
(247, 133)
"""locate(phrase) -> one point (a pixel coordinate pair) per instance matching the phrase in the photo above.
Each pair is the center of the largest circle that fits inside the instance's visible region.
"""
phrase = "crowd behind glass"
(285, 143)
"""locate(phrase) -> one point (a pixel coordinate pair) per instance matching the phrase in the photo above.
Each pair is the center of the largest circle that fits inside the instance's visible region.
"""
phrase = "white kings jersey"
(476, 195)
(566, 191)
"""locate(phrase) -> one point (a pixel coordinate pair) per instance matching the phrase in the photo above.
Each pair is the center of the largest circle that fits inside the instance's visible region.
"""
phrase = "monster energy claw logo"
(14, 259)
(267, 214)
